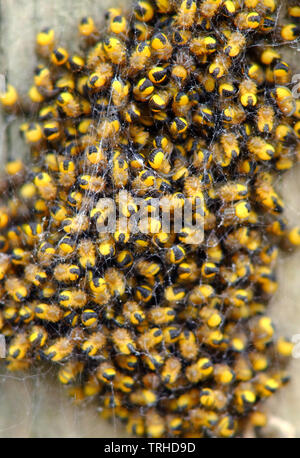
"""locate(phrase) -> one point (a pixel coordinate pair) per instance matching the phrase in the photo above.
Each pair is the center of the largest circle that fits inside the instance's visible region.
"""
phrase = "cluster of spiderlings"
(181, 99)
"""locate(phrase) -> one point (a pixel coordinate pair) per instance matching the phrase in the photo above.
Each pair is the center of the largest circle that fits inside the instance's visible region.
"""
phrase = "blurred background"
(34, 404)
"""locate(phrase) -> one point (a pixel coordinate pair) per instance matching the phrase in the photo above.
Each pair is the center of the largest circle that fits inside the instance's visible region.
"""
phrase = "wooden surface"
(35, 405)
(31, 405)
